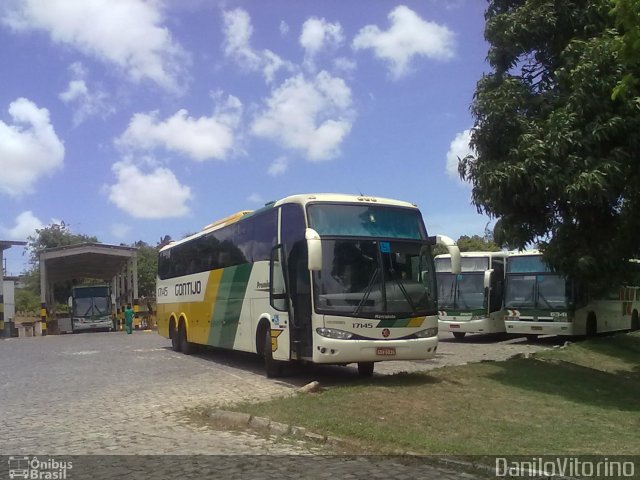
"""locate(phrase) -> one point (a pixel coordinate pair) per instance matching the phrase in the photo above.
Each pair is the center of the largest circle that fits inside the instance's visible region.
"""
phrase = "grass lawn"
(582, 399)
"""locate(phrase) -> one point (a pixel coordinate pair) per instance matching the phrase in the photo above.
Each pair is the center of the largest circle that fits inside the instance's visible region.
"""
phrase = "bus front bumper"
(481, 325)
(329, 350)
(522, 327)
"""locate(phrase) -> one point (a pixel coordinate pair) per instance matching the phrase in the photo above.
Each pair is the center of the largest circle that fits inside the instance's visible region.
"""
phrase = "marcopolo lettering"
(189, 288)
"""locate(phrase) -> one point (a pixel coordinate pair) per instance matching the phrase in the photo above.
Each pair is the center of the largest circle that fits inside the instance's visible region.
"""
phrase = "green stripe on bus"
(394, 322)
(224, 324)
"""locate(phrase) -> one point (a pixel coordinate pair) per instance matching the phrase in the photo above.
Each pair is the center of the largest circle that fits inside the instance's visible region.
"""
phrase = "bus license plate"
(536, 328)
(453, 325)
(386, 350)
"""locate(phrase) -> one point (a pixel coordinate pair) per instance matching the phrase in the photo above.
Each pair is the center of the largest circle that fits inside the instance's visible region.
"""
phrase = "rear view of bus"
(471, 301)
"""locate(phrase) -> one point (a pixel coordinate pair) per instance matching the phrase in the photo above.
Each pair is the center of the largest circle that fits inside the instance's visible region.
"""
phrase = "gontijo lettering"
(189, 288)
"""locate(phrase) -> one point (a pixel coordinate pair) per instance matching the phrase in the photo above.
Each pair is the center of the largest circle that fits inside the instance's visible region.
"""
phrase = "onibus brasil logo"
(35, 469)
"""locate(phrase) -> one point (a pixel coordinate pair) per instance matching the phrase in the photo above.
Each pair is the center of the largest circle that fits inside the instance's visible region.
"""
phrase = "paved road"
(111, 393)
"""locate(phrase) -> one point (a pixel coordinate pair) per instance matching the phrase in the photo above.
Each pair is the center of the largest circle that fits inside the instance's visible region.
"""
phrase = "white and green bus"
(539, 301)
(318, 278)
(471, 301)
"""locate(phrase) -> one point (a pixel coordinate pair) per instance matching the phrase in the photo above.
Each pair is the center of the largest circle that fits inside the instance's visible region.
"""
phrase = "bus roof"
(524, 253)
(501, 254)
(302, 199)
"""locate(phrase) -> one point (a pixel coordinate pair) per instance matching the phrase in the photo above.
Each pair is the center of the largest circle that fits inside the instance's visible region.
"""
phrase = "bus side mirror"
(314, 247)
(487, 278)
(453, 250)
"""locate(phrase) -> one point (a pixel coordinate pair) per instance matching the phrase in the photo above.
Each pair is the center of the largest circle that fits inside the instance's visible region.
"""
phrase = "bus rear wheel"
(365, 369)
(175, 340)
(186, 347)
(459, 335)
(272, 368)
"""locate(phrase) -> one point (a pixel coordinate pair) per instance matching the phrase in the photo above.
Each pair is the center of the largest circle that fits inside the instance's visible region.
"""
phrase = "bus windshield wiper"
(402, 288)
(367, 291)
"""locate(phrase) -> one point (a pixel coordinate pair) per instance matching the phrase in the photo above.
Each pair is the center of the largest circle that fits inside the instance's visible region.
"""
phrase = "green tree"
(627, 18)
(555, 152)
(54, 235)
(474, 243)
(147, 269)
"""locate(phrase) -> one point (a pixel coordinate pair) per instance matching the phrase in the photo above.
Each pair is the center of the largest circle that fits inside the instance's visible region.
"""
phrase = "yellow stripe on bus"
(416, 322)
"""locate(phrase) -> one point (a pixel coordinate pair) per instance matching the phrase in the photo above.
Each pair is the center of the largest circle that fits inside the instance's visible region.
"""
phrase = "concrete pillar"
(44, 285)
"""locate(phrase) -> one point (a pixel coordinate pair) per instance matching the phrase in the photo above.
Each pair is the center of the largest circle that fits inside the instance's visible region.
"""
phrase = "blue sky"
(134, 119)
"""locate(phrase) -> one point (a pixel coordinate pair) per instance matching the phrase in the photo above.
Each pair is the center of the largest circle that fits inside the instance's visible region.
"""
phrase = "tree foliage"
(556, 151)
(54, 235)
(474, 243)
(147, 269)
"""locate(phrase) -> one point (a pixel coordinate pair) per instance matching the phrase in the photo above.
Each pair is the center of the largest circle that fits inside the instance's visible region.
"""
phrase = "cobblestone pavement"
(111, 393)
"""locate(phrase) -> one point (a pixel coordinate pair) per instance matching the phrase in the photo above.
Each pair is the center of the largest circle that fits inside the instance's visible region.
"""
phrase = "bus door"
(279, 298)
(292, 236)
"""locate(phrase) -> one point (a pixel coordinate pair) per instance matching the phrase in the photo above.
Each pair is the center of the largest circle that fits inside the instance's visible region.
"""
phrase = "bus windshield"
(92, 307)
(536, 291)
(372, 279)
(366, 221)
(464, 291)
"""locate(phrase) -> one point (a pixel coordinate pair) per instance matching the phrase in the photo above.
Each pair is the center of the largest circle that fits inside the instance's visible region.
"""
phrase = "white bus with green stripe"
(318, 278)
(471, 301)
(539, 301)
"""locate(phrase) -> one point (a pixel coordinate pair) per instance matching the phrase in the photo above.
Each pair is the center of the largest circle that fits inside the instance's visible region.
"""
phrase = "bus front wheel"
(459, 335)
(592, 325)
(635, 321)
(365, 369)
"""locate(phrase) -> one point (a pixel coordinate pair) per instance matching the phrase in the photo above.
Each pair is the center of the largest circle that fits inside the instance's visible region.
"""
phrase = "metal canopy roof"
(4, 244)
(88, 260)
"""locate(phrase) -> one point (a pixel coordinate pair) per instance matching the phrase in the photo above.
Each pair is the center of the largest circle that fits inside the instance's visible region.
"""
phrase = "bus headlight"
(429, 332)
(334, 333)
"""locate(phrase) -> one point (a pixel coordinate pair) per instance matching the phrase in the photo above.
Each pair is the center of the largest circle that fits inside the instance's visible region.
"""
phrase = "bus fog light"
(334, 333)
(429, 332)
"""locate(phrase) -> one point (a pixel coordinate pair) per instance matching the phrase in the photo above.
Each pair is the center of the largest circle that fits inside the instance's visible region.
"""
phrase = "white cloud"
(344, 64)
(317, 34)
(127, 33)
(86, 103)
(284, 28)
(459, 148)
(408, 36)
(26, 225)
(29, 149)
(311, 116)
(200, 138)
(237, 46)
(256, 198)
(278, 167)
(155, 195)
(120, 230)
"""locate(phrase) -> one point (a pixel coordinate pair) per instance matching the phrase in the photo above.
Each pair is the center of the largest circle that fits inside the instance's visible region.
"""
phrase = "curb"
(245, 420)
